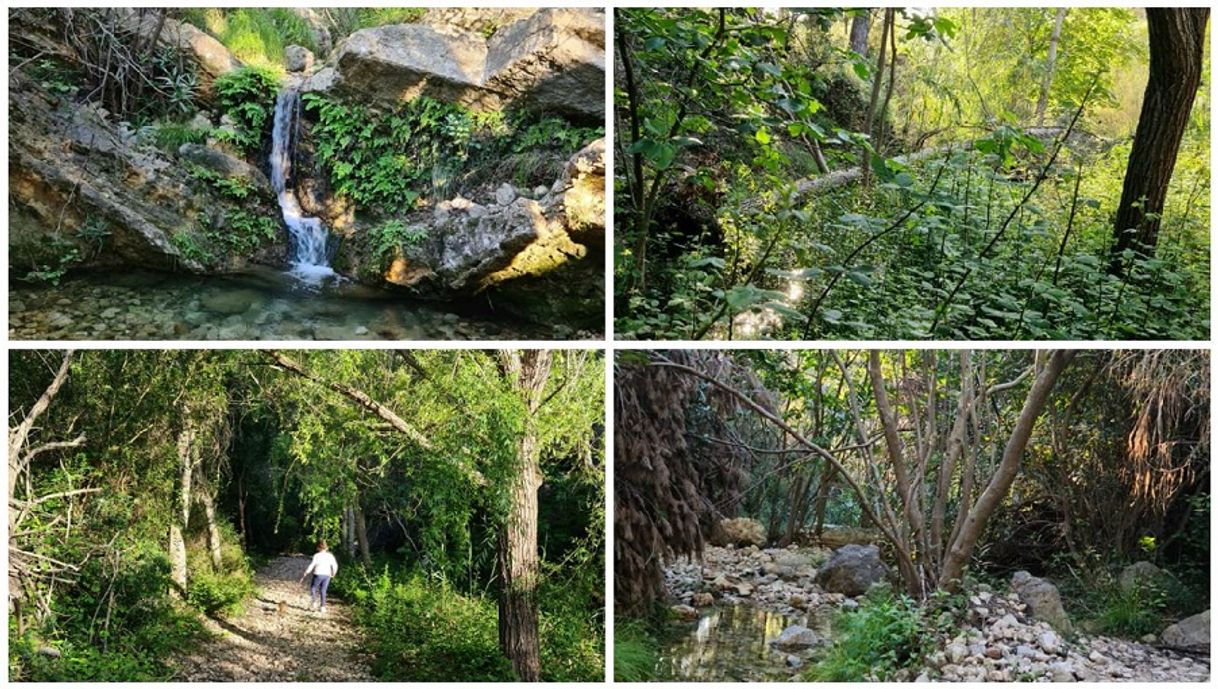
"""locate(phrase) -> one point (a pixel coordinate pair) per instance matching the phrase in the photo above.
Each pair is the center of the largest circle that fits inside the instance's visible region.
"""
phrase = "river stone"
(1062, 671)
(1141, 573)
(796, 638)
(1190, 632)
(852, 570)
(1049, 642)
(1043, 601)
(505, 194)
(297, 58)
(956, 652)
(703, 599)
(741, 531)
(229, 302)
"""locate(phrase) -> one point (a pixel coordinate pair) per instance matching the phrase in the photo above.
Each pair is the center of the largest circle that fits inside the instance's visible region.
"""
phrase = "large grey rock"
(224, 164)
(1190, 632)
(740, 531)
(554, 61)
(796, 638)
(1042, 598)
(551, 60)
(297, 58)
(402, 62)
(852, 570)
(1142, 573)
(210, 54)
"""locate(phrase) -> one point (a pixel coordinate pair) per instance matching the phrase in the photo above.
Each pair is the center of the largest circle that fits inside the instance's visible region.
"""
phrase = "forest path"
(264, 644)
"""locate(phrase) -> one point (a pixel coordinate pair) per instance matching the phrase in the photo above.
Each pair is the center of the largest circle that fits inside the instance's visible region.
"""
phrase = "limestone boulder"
(796, 638)
(1191, 633)
(852, 570)
(401, 62)
(1142, 573)
(224, 164)
(1042, 598)
(553, 61)
(297, 58)
(740, 532)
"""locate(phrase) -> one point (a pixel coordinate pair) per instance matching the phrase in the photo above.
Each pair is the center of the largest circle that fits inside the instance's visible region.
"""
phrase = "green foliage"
(348, 20)
(634, 652)
(393, 235)
(1134, 612)
(247, 95)
(255, 35)
(420, 630)
(219, 593)
(169, 136)
(885, 634)
(187, 242)
(387, 161)
(235, 188)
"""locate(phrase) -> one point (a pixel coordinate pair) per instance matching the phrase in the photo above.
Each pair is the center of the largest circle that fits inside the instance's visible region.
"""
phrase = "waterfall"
(309, 236)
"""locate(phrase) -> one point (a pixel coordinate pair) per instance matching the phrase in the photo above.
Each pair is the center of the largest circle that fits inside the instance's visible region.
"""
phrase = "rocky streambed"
(263, 304)
(752, 613)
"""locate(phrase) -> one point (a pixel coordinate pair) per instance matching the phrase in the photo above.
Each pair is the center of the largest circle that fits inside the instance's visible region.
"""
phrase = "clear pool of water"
(732, 643)
(264, 304)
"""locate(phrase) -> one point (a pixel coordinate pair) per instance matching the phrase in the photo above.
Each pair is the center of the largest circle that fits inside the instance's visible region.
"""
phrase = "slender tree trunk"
(213, 529)
(1050, 64)
(1000, 484)
(181, 516)
(361, 536)
(860, 27)
(519, 566)
(1177, 44)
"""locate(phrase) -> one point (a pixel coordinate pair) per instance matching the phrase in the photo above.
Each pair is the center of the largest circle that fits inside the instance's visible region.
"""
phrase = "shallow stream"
(732, 643)
(264, 304)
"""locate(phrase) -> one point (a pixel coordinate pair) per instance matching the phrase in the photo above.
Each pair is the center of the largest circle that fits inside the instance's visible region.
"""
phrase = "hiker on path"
(323, 567)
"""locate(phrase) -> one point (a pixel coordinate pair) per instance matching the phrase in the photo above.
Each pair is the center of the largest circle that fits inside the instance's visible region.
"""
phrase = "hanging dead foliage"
(669, 492)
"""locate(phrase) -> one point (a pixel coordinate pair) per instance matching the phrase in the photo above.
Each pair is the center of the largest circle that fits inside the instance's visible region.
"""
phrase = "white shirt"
(323, 564)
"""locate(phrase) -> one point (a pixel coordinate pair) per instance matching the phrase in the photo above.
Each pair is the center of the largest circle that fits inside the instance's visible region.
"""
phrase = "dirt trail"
(264, 645)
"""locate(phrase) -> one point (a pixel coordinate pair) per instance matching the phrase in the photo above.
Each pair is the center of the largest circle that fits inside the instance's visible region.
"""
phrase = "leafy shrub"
(247, 95)
(219, 593)
(187, 243)
(883, 635)
(1134, 612)
(420, 629)
(634, 652)
(255, 35)
(391, 235)
(144, 626)
(169, 136)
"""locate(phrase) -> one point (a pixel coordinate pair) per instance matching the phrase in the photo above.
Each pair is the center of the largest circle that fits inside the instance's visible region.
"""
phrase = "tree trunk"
(518, 564)
(1050, 65)
(519, 567)
(860, 27)
(181, 516)
(1177, 42)
(213, 529)
(361, 536)
(1012, 456)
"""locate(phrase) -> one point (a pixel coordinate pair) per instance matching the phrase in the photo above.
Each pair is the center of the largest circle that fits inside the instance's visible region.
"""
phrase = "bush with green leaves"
(393, 235)
(247, 95)
(885, 634)
(256, 35)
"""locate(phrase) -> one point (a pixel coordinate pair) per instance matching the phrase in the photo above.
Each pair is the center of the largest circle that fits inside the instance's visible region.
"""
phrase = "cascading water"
(309, 236)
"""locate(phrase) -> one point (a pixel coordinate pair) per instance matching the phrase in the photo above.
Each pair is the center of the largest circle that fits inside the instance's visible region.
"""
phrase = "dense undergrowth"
(419, 628)
(962, 210)
(119, 621)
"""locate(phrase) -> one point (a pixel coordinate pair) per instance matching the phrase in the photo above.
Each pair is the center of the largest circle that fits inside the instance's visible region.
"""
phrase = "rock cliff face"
(551, 60)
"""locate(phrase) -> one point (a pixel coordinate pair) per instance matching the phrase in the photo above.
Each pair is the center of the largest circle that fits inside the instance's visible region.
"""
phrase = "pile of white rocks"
(1002, 641)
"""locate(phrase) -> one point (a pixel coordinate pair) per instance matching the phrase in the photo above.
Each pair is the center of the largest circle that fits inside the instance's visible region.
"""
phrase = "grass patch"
(885, 634)
(635, 652)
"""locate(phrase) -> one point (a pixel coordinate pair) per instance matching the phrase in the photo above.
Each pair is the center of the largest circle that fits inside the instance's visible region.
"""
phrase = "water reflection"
(733, 643)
